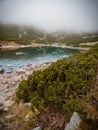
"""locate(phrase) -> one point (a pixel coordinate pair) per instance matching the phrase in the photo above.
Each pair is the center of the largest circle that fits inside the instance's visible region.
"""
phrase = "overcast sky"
(52, 15)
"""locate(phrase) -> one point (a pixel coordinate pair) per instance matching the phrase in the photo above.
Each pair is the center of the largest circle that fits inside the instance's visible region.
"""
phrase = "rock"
(9, 71)
(74, 122)
(9, 116)
(68, 127)
(26, 117)
(20, 66)
(6, 108)
(1, 70)
(29, 65)
(28, 104)
(9, 65)
(20, 71)
(37, 128)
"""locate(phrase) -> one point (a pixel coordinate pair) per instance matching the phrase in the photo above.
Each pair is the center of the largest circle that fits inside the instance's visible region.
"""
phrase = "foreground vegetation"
(67, 86)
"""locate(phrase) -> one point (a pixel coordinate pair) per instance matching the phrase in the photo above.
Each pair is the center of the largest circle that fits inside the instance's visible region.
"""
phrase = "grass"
(19, 112)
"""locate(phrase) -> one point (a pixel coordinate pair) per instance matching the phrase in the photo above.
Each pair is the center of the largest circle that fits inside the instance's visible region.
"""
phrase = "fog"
(52, 15)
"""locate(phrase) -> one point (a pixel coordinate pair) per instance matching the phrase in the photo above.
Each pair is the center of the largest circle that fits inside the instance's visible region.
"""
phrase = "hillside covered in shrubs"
(67, 86)
(28, 34)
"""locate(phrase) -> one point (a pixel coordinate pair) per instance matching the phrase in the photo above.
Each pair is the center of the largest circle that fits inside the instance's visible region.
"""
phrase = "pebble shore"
(9, 82)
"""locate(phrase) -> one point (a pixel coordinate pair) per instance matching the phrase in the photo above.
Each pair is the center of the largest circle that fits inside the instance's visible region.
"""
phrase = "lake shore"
(9, 82)
(13, 45)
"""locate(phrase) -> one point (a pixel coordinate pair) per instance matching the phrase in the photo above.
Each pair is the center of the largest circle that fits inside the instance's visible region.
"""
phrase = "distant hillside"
(19, 34)
(29, 34)
(24, 34)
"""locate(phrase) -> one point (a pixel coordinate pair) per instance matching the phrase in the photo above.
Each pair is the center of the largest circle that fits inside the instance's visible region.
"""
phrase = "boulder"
(74, 122)
(26, 118)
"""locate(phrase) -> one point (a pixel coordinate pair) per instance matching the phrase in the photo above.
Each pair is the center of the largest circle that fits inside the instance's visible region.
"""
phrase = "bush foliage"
(64, 85)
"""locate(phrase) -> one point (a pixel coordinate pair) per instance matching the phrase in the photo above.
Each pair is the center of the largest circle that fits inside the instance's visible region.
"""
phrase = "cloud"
(52, 15)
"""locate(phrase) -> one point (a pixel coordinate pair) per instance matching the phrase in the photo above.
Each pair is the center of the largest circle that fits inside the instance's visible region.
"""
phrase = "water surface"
(14, 59)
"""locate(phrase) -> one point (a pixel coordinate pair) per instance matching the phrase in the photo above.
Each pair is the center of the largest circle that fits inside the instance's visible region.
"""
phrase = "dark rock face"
(1, 70)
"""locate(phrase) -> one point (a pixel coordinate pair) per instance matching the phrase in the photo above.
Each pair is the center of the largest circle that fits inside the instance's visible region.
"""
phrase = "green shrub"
(63, 85)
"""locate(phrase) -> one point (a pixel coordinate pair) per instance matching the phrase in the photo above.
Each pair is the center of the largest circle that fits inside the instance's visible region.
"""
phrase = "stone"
(9, 71)
(6, 108)
(9, 65)
(74, 122)
(37, 128)
(20, 71)
(9, 116)
(1, 70)
(26, 117)
(28, 104)
(68, 127)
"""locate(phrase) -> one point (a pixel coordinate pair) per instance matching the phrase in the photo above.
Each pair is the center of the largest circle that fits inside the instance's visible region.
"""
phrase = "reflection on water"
(13, 59)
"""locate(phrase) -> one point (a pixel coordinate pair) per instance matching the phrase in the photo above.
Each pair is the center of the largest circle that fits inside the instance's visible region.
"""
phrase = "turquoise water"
(14, 59)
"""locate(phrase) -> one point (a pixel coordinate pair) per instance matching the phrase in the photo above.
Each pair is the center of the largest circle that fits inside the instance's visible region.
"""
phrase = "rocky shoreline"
(10, 111)
(9, 82)
(13, 45)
